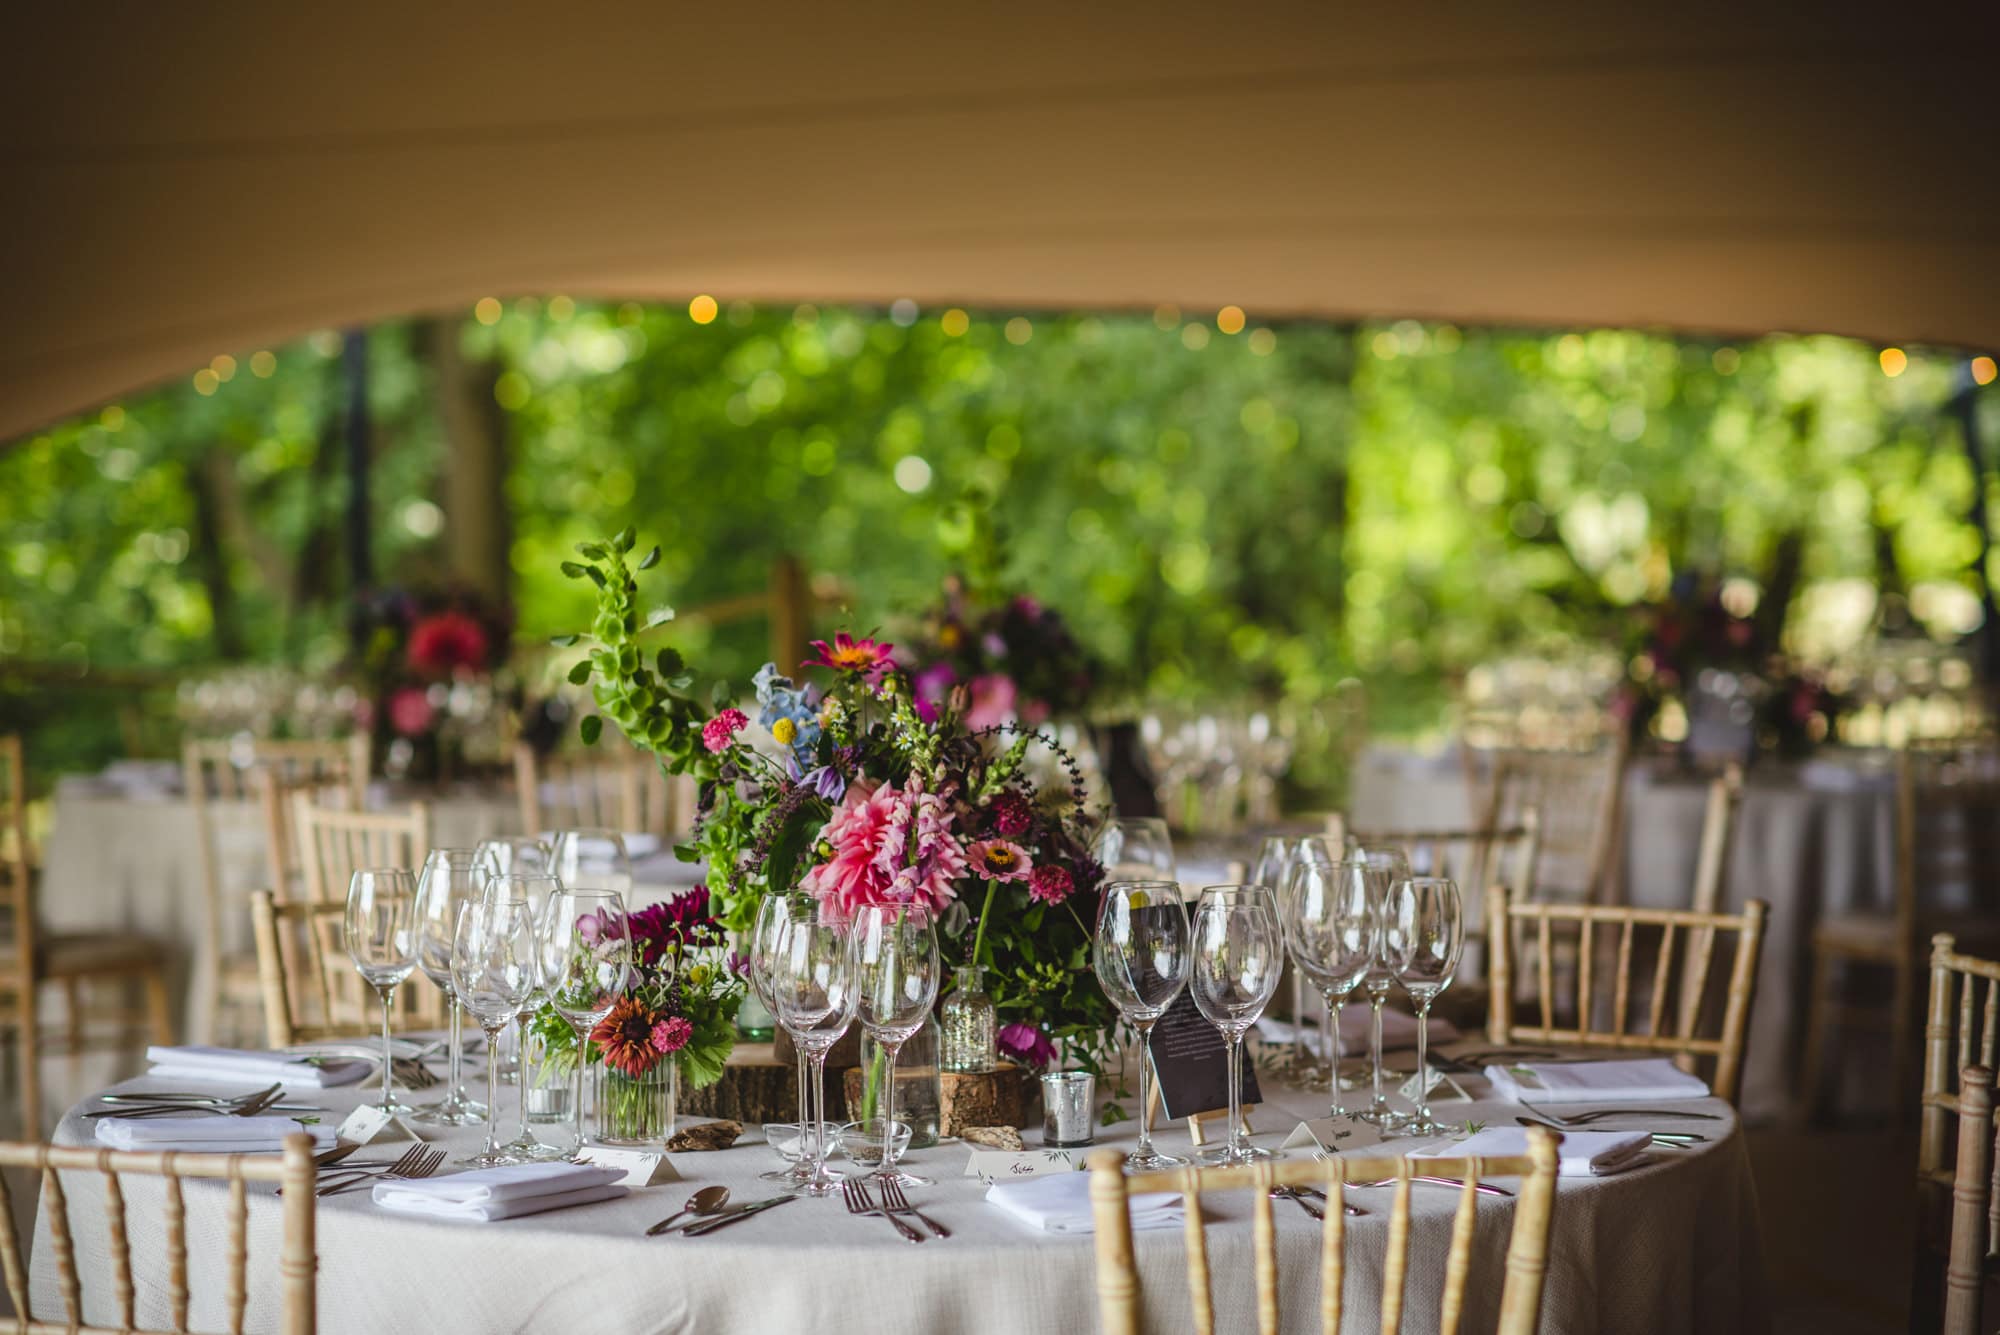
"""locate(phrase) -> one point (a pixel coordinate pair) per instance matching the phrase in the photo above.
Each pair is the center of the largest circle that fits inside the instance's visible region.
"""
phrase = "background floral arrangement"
(413, 648)
(847, 790)
(1015, 658)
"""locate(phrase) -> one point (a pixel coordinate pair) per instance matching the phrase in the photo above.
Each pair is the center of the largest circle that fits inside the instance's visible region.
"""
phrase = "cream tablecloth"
(1669, 1248)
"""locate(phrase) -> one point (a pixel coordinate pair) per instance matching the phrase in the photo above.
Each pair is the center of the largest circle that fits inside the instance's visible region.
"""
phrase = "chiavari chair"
(1579, 798)
(613, 789)
(1118, 1290)
(133, 1294)
(308, 989)
(333, 844)
(1975, 1205)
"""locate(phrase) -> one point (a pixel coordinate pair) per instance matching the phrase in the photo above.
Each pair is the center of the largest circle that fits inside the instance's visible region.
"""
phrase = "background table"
(1671, 1247)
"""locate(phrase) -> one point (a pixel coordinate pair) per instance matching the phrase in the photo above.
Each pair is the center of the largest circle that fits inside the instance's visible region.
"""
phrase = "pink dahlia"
(672, 1034)
(998, 860)
(1050, 884)
(889, 847)
(719, 731)
(847, 654)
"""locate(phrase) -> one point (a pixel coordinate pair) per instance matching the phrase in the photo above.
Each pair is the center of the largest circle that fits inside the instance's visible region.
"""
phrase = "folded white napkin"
(288, 1068)
(1060, 1203)
(502, 1193)
(1649, 1078)
(208, 1135)
(1583, 1153)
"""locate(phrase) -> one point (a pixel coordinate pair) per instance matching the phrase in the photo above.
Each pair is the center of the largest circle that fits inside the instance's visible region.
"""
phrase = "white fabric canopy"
(186, 181)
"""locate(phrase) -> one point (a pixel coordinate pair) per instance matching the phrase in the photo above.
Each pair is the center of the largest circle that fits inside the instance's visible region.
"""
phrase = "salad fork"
(860, 1202)
(894, 1201)
(417, 1162)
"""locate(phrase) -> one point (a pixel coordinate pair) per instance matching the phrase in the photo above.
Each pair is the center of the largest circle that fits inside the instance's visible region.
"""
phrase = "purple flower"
(824, 780)
(683, 920)
(1026, 1044)
(930, 687)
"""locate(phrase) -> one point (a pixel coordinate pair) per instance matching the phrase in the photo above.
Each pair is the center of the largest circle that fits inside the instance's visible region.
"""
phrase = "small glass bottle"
(969, 1023)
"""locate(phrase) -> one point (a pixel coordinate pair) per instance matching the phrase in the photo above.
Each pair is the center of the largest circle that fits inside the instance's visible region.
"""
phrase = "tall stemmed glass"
(813, 981)
(1135, 848)
(591, 859)
(1239, 954)
(537, 888)
(1277, 854)
(896, 974)
(1142, 959)
(1330, 924)
(381, 936)
(775, 913)
(452, 878)
(1387, 867)
(586, 965)
(1425, 917)
(493, 966)
(501, 856)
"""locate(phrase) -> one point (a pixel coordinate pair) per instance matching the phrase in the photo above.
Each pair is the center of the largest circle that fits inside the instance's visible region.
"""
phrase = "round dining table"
(1670, 1246)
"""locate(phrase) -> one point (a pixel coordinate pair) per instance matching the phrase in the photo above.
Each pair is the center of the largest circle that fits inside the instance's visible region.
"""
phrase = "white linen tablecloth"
(1671, 1247)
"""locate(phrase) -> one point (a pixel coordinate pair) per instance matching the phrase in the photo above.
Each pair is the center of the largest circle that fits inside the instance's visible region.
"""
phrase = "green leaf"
(596, 575)
(659, 616)
(719, 696)
(650, 559)
(669, 662)
(580, 674)
(594, 550)
(590, 728)
(564, 641)
(681, 681)
(575, 571)
(626, 537)
(792, 841)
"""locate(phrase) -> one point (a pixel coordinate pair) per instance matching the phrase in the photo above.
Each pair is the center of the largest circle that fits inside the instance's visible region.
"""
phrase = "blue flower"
(778, 699)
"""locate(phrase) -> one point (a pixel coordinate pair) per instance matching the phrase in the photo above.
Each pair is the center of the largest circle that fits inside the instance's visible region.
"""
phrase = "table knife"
(735, 1216)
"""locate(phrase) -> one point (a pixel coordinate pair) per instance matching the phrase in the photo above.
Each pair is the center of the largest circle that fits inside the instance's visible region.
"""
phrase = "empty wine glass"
(1135, 848)
(537, 888)
(1330, 925)
(1141, 957)
(380, 931)
(1387, 867)
(591, 859)
(896, 976)
(812, 975)
(493, 969)
(1425, 918)
(1277, 854)
(501, 856)
(452, 878)
(586, 965)
(767, 939)
(1239, 954)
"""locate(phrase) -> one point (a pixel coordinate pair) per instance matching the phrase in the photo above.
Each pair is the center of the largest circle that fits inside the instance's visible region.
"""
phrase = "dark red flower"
(445, 642)
(1050, 884)
(683, 920)
(1012, 814)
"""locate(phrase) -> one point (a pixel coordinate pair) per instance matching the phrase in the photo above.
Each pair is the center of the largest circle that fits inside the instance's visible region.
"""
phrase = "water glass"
(585, 967)
(380, 931)
(537, 888)
(452, 878)
(1386, 867)
(494, 961)
(767, 938)
(1426, 917)
(1141, 957)
(1239, 955)
(1330, 925)
(812, 976)
(1135, 848)
(896, 976)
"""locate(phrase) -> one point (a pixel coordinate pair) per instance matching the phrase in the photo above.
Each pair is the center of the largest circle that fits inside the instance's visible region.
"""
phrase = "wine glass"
(1141, 957)
(1135, 848)
(381, 936)
(591, 859)
(812, 975)
(537, 888)
(896, 970)
(451, 879)
(493, 964)
(775, 913)
(1239, 953)
(500, 856)
(1330, 926)
(586, 965)
(1277, 854)
(1387, 867)
(1424, 917)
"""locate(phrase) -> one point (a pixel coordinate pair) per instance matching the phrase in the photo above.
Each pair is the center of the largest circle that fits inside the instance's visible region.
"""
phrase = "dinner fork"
(1583, 1119)
(250, 1105)
(895, 1202)
(1672, 1140)
(1312, 1197)
(1486, 1188)
(417, 1161)
(860, 1202)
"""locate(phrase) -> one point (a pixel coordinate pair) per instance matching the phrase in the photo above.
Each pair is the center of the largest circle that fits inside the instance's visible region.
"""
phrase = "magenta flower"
(1050, 884)
(1026, 1044)
(719, 731)
(1012, 814)
(998, 860)
(847, 654)
(992, 701)
(410, 712)
(929, 689)
(672, 1034)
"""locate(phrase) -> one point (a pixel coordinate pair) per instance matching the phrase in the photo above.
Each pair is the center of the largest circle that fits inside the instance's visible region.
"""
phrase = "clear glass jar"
(919, 1087)
(969, 1023)
(637, 1112)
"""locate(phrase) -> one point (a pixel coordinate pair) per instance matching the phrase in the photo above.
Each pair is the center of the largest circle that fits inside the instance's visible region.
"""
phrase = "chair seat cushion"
(74, 954)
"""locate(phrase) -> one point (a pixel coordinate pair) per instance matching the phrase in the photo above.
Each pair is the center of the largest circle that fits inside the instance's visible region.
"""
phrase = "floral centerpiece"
(845, 789)
(674, 1022)
(413, 649)
(1015, 657)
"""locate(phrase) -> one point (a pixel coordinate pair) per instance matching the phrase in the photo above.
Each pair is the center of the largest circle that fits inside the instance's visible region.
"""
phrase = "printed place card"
(1443, 1089)
(369, 1125)
(642, 1168)
(1333, 1135)
(991, 1166)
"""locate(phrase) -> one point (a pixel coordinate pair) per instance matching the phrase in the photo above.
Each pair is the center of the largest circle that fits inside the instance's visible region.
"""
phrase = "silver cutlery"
(706, 1201)
(1296, 1198)
(1319, 1198)
(250, 1105)
(860, 1202)
(418, 1161)
(1485, 1188)
(728, 1217)
(1672, 1140)
(894, 1201)
(1583, 1119)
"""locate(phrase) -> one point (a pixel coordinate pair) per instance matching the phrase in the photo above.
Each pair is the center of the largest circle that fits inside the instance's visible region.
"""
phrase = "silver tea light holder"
(1069, 1107)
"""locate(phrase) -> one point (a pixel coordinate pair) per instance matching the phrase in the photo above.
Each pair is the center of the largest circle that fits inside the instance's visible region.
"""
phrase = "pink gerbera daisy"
(999, 860)
(847, 654)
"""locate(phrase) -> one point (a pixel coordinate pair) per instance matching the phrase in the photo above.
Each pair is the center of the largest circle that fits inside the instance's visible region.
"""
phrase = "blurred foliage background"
(1226, 510)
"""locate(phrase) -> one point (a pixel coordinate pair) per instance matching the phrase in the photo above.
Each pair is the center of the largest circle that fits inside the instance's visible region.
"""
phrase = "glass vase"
(919, 1088)
(969, 1024)
(638, 1112)
(551, 1081)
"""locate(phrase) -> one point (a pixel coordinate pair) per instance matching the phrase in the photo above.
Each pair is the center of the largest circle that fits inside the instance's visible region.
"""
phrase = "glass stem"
(805, 1104)
(521, 1076)
(455, 1092)
(1145, 1029)
(1334, 1053)
(492, 1089)
(388, 1056)
(576, 1105)
(1423, 1068)
(1235, 1095)
(1375, 1047)
(818, 1114)
(889, 1108)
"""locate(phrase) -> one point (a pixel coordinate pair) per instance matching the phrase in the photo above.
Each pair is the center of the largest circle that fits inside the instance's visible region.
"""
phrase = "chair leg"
(73, 1014)
(31, 1064)
(1817, 1022)
(159, 1005)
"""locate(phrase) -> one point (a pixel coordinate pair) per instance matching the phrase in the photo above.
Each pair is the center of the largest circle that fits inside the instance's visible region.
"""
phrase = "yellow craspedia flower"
(784, 730)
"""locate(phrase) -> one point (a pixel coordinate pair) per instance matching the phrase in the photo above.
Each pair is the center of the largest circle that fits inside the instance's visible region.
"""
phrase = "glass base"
(1415, 1125)
(1152, 1162)
(899, 1177)
(796, 1173)
(1388, 1119)
(455, 1111)
(824, 1185)
(394, 1107)
(1217, 1155)
(526, 1149)
(484, 1160)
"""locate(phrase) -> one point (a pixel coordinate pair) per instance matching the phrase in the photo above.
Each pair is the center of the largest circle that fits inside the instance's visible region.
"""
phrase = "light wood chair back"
(1479, 856)
(614, 789)
(310, 990)
(16, 863)
(1961, 1029)
(1118, 1294)
(1975, 1205)
(333, 842)
(1518, 930)
(297, 1286)
(277, 796)
(1579, 798)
